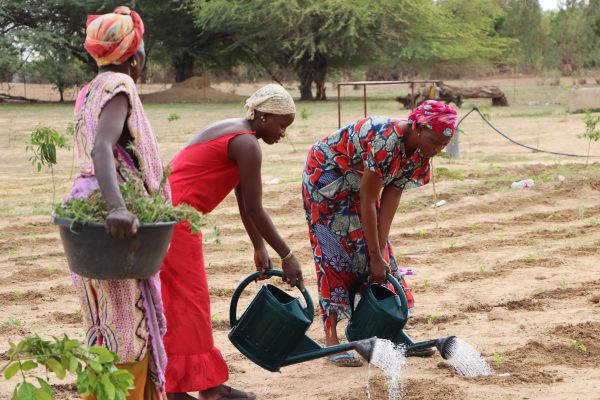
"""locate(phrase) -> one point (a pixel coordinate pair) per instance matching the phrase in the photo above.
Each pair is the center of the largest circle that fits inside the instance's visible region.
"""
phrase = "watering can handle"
(309, 311)
(390, 278)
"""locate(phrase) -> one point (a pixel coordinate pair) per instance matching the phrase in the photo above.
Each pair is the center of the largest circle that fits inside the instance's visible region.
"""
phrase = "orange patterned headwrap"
(115, 37)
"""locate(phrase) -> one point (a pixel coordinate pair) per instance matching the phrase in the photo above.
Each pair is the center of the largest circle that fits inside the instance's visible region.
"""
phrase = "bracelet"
(289, 255)
(112, 210)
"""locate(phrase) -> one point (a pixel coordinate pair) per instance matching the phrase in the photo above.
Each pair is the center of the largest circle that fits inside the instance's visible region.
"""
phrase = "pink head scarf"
(435, 115)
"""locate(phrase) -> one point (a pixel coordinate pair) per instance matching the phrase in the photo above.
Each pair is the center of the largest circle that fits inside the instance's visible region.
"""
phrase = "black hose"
(514, 141)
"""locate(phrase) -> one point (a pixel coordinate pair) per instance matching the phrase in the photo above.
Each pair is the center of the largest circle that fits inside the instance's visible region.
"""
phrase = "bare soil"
(512, 271)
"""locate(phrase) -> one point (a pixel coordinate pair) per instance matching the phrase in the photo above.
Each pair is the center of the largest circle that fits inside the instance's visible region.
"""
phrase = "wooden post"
(437, 228)
(514, 84)
(365, 99)
(339, 108)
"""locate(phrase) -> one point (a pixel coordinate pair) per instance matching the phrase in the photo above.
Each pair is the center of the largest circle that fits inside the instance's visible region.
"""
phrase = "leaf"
(94, 365)
(12, 370)
(29, 365)
(109, 388)
(83, 383)
(42, 395)
(52, 154)
(26, 391)
(104, 355)
(122, 379)
(73, 364)
(56, 367)
(45, 386)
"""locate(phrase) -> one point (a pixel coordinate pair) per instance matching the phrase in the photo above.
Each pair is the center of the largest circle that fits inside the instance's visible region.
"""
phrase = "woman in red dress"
(224, 156)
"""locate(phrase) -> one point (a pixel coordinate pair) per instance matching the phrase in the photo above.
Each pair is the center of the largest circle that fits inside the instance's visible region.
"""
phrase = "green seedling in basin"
(173, 117)
(482, 269)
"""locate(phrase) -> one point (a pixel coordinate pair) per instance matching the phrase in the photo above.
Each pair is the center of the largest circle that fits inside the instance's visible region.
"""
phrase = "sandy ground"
(513, 272)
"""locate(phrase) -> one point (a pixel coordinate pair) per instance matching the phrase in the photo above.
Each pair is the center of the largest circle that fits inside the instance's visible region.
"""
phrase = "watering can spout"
(365, 348)
(446, 346)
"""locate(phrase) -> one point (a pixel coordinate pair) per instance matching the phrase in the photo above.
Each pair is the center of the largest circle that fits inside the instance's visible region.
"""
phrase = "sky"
(549, 4)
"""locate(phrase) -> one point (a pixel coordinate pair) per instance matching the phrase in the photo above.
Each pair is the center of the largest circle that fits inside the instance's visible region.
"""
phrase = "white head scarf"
(272, 99)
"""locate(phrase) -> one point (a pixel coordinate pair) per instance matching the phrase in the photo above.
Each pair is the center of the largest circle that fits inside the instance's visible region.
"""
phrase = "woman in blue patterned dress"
(351, 187)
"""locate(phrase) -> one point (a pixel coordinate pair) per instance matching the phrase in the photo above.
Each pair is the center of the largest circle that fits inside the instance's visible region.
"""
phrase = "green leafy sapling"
(43, 143)
(95, 369)
(592, 132)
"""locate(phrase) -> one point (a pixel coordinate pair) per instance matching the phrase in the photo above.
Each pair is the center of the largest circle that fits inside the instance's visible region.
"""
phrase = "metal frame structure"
(364, 84)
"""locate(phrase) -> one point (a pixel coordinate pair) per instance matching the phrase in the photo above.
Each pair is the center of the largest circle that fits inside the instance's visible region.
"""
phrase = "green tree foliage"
(572, 35)
(310, 36)
(60, 68)
(446, 33)
(523, 21)
(44, 39)
(59, 25)
(315, 36)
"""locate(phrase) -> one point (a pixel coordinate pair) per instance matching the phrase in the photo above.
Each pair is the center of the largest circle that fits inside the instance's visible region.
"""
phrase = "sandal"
(345, 360)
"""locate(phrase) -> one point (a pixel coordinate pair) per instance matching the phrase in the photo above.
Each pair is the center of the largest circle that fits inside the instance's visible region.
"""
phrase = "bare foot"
(225, 392)
(179, 396)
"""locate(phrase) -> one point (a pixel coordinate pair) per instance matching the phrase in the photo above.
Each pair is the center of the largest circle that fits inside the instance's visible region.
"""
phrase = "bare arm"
(390, 198)
(245, 150)
(261, 255)
(370, 188)
(120, 223)
(253, 233)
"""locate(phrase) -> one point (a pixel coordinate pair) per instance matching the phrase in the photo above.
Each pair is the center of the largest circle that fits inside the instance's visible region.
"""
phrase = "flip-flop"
(236, 394)
(338, 360)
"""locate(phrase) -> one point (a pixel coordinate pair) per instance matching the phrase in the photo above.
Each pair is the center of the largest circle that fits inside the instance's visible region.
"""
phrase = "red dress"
(202, 176)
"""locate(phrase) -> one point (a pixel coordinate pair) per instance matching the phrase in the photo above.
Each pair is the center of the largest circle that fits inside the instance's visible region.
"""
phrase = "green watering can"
(272, 330)
(383, 313)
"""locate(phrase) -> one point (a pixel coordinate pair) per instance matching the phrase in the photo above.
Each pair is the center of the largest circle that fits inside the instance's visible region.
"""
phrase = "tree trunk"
(309, 71)
(320, 72)
(567, 66)
(62, 96)
(457, 94)
(184, 67)
(306, 79)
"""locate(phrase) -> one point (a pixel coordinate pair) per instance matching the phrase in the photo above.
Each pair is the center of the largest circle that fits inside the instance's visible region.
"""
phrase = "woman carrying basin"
(351, 186)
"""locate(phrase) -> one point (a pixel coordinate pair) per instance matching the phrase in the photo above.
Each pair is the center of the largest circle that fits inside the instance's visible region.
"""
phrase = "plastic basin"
(92, 253)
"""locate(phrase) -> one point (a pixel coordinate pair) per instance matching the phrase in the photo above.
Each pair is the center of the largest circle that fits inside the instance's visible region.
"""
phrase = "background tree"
(523, 21)
(572, 35)
(59, 26)
(59, 68)
(310, 36)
